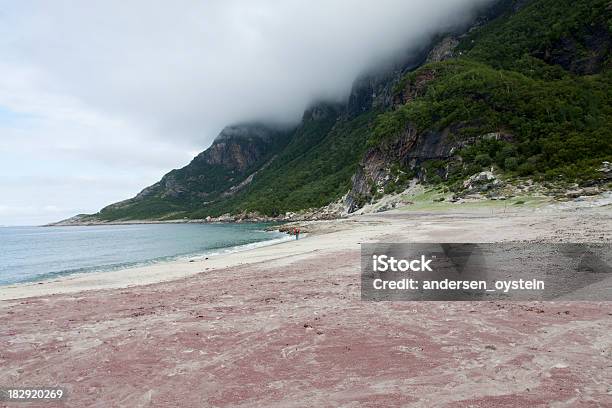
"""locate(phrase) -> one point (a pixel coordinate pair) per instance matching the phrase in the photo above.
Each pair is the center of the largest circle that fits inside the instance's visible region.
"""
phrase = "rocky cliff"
(227, 166)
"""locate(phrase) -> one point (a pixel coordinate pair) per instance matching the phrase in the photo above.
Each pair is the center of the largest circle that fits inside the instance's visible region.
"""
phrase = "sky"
(100, 98)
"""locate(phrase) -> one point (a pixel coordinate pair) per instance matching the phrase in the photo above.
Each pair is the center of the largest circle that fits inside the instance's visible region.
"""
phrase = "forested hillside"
(525, 91)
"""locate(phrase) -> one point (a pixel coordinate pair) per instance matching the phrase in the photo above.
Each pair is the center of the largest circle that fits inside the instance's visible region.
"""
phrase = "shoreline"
(114, 278)
(139, 222)
(327, 236)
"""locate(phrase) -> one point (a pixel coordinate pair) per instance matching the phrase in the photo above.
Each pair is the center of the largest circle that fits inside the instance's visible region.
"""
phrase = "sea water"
(30, 254)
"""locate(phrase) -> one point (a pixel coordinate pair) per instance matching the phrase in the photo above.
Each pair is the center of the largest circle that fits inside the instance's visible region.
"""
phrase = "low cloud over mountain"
(131, 89)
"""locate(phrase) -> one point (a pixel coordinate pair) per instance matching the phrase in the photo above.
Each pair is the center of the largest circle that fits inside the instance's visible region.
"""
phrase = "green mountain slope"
(526, 91)
(314, 170)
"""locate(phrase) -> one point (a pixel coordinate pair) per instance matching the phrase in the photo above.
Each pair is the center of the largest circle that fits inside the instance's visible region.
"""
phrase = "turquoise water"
(35, 253)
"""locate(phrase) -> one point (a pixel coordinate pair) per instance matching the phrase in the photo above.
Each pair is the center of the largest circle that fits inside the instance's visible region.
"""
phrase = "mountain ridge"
(533, 107)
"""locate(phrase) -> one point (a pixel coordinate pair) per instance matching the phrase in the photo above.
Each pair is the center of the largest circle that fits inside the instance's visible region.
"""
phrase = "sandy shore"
(469, 225)
(283, 325)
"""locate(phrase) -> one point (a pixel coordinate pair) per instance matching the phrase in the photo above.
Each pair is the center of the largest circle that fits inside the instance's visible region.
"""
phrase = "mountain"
(524, 91)
(224, 169)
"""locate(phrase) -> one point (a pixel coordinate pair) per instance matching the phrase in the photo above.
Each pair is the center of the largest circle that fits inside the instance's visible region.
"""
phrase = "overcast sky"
(100, 98)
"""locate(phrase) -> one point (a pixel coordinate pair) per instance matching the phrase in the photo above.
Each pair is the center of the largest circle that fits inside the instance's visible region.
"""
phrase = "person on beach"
(297, 234)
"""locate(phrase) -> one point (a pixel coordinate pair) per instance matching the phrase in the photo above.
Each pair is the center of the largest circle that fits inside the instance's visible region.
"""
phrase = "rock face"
(228, 164)
(237, 148)
(375, 171)
(407, 154)
(404, 154)
(443, 50)
(375, 90)
(584, 57)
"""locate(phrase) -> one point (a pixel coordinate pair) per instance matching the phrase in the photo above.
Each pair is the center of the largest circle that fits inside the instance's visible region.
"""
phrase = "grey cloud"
(188, 68)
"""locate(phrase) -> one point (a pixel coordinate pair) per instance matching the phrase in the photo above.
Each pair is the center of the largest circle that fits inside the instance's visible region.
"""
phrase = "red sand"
(298, 335)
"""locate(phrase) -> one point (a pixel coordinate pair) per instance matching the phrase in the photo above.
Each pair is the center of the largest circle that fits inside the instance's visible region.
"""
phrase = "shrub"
(511, 164)
(526, 169)
(483, 160)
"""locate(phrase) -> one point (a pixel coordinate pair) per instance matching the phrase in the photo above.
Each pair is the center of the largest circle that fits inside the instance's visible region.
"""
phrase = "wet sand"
(284, 326)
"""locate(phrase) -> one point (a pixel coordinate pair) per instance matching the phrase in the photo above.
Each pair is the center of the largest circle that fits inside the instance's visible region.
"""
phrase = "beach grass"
(438, 199)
